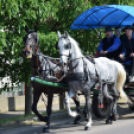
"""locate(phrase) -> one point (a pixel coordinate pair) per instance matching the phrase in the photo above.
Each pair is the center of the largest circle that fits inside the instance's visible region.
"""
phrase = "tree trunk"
(61, 101)
(28, 98)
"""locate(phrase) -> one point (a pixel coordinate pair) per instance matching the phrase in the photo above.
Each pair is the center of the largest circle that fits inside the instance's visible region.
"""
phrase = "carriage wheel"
(131, 97)
(100, 112)
(131, 107)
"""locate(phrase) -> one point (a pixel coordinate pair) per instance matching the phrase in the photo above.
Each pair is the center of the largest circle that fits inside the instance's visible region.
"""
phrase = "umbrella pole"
(97, 33)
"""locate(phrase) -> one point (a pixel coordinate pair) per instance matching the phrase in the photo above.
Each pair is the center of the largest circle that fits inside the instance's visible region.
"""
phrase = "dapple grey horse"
(82, 76)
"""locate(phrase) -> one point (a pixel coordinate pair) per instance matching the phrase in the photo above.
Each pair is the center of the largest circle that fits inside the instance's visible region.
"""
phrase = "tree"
(50, 16)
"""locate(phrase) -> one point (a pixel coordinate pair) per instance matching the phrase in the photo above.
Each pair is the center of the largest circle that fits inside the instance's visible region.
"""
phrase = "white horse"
(81, 73)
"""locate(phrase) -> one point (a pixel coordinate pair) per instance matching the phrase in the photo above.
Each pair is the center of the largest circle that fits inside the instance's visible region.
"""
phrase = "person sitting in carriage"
(127, 54)
(109, 46)
(117, 31)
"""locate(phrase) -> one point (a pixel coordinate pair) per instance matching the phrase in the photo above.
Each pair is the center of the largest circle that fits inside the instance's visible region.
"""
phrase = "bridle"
(69, 45)
(69, 56)
(33, 45)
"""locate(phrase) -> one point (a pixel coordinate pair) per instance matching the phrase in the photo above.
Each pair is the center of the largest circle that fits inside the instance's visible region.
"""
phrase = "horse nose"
(26, 53)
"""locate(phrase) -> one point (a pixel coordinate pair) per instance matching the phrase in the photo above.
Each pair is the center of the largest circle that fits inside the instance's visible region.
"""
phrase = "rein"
(69, 56)
(50, 69)
(89, 58)
(35, 46)
(47, 56)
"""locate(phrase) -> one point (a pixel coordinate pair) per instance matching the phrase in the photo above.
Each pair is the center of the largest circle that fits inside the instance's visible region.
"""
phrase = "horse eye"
(29, 36)
(66, 46)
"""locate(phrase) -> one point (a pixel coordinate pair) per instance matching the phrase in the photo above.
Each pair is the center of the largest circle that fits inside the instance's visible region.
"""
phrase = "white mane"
(76, 51)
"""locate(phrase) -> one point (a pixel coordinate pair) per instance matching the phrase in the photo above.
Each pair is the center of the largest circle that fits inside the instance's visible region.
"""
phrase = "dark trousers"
(130, 67)
(131, 71)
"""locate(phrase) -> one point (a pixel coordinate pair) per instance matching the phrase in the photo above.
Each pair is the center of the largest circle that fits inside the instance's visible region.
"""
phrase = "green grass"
(20, 118)
(16, 118)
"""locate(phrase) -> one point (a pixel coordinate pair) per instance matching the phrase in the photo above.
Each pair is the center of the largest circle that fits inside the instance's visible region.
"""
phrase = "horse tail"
(121, 78)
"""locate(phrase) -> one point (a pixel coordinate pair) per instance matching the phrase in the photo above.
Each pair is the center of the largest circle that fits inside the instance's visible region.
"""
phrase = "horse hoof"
(87, 128)
(115, 117)
(109, 121)
(78, 117)
(86, 119)
(45, 118)
(76, 122)
(45, 130)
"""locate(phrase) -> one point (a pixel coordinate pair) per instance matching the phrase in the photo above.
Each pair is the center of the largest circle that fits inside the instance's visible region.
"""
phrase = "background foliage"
(50, 16)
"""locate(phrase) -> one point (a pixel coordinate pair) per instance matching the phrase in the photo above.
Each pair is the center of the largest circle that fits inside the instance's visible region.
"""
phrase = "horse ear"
(26, 29)
(59, 34)
(66, 34)
(35, 28)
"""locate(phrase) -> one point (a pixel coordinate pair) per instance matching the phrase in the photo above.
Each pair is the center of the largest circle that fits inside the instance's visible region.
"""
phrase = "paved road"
(125, 125)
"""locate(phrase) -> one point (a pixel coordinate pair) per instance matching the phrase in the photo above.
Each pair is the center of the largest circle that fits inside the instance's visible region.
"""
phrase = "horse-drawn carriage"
(100, 17)
(97, 17)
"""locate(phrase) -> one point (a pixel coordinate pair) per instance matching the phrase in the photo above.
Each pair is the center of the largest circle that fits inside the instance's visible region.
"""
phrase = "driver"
(127, 53)
(109, 46)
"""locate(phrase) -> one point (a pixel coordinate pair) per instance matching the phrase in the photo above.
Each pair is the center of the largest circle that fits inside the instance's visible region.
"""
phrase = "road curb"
(126, 116)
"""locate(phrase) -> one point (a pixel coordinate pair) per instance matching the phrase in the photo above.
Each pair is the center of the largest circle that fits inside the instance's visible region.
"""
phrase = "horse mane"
(75, 43)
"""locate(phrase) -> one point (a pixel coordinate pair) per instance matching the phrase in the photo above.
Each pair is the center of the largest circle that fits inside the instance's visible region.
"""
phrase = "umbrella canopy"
(101, 16)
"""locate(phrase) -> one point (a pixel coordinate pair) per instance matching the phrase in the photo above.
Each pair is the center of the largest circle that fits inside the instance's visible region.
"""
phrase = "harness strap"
(98, 73)
(98, 78)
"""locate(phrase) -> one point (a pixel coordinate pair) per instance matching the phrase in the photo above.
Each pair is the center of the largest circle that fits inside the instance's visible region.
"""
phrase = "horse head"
(68, 49)
(64, 46)
(31, 42)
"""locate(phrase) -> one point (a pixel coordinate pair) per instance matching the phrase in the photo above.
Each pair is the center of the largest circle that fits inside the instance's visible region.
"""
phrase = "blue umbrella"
(101, 16)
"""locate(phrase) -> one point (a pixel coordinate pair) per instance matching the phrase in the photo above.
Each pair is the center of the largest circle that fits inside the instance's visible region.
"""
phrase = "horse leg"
(88, 125)
(36, 96)
(77, 102)
(110, 101)
(116, 97)
(85, 112)
(71, 93)
(49, 111)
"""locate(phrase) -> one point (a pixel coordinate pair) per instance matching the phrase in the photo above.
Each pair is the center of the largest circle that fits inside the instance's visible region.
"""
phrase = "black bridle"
(33, 45)
(69, 46)
(69, 56)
